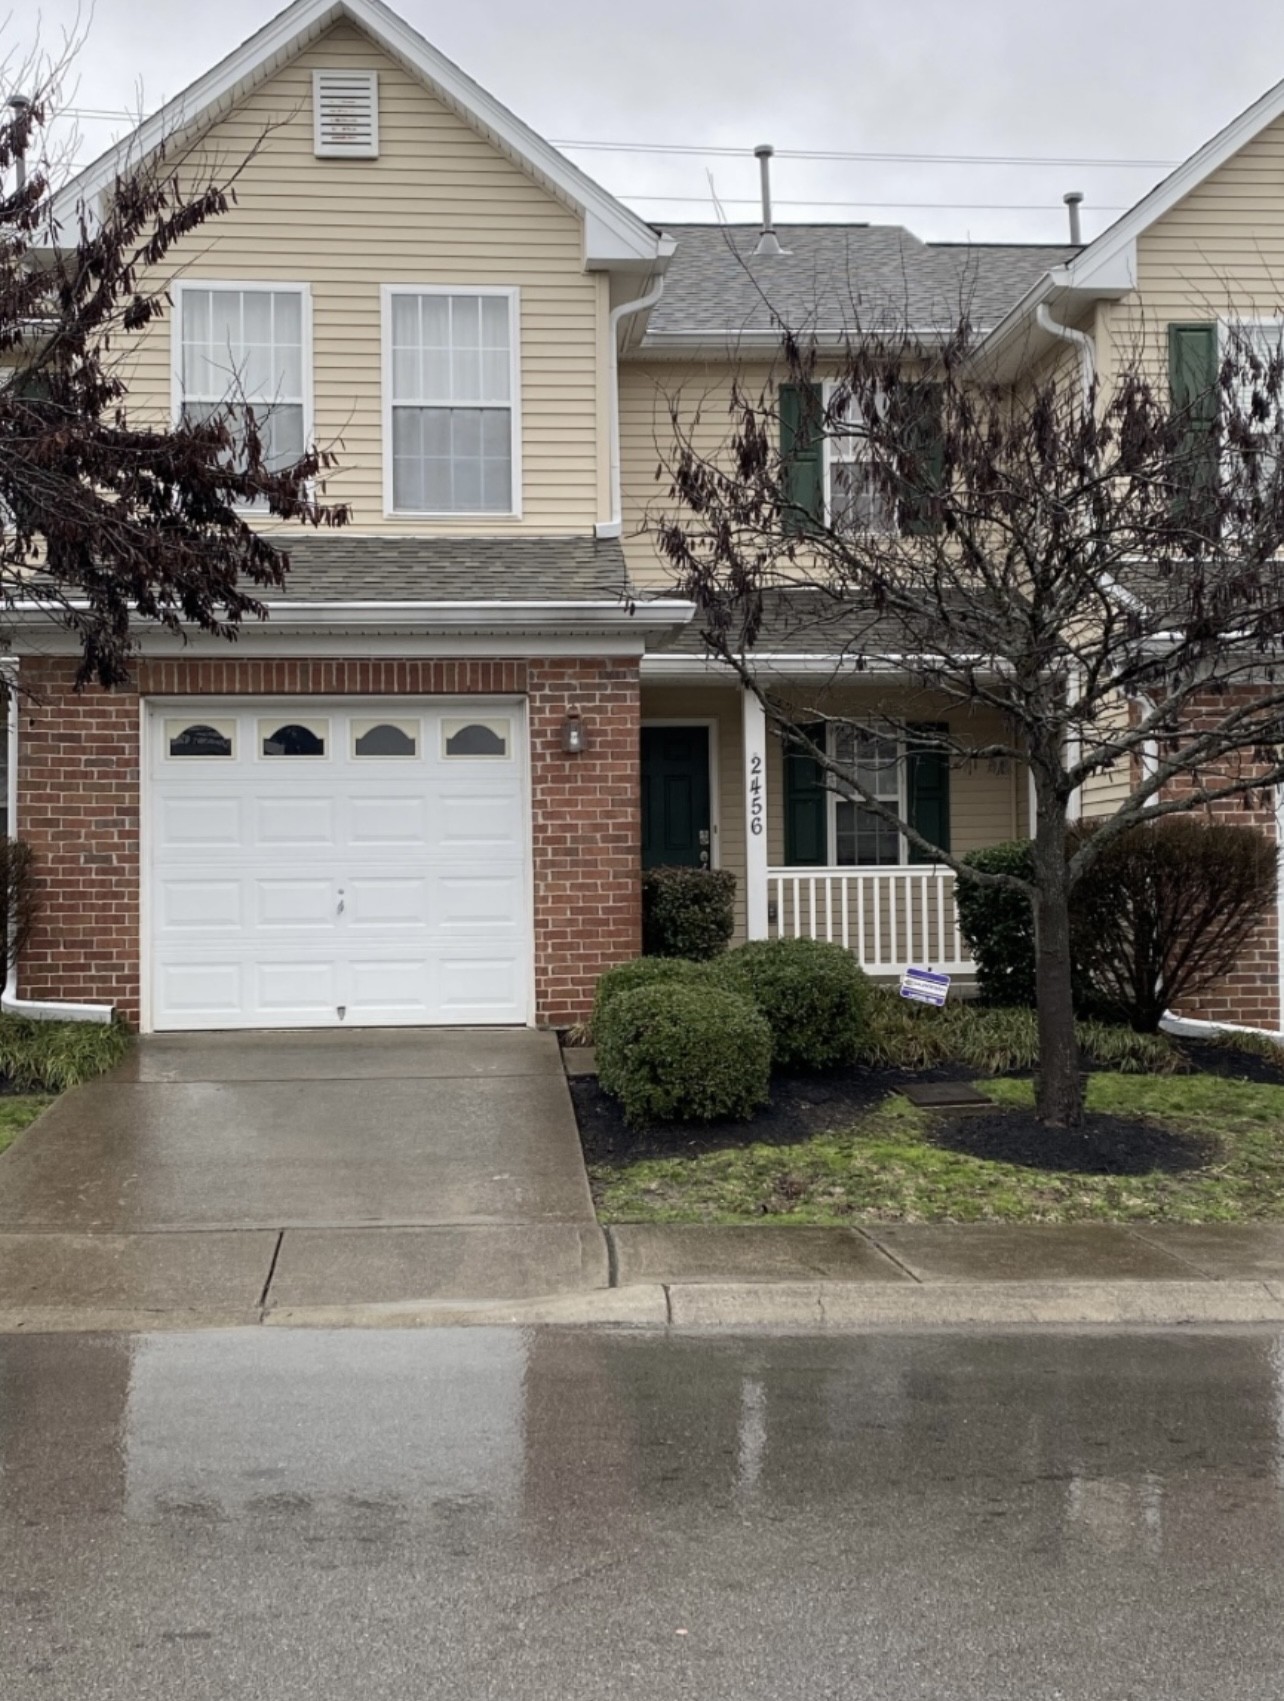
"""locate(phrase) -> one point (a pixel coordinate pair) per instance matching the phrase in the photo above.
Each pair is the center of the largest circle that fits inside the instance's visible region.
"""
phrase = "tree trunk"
(1058, 1087)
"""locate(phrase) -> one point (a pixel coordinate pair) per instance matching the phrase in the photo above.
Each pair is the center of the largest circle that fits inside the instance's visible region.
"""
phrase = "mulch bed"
(1104, 1145)
(801, 1106)
(804, 1105)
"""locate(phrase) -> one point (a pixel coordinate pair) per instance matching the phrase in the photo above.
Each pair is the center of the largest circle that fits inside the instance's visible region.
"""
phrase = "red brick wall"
(78, 807)
(1250, 995)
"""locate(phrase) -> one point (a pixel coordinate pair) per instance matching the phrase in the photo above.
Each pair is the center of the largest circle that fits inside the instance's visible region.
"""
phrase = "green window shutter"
(1192, 382)
(806, 812)
(802, 453)
(929, 790)
(925, 458)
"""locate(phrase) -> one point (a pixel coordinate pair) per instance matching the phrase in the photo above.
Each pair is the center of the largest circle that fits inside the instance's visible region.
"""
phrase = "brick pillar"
(1250, 995)
(588, 830)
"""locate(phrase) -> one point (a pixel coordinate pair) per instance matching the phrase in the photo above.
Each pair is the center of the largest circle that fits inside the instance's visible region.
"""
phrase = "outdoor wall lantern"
(573, 739)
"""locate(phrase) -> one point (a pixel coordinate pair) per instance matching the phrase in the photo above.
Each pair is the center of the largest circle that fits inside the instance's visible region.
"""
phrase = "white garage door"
(317, 864)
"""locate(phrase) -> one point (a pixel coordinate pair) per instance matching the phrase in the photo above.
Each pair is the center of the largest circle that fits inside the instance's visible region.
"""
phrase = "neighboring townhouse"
(423, 790)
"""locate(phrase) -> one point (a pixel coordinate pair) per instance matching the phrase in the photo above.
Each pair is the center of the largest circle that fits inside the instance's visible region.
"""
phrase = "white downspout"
(614, 526)
(38, 1009)
(1080, 340)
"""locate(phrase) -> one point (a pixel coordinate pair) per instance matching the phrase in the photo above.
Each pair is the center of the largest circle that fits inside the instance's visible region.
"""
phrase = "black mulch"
(1104, 1145)
(1231, 1061)
(804, 1105)
(801, 1105)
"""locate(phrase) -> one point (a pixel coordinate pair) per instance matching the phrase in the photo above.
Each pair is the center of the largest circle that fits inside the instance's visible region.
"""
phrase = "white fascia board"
(729, 343)
(657, 665)
(614, 233)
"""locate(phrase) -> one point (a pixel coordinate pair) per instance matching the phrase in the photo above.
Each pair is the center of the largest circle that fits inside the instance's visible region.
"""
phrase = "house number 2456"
(756, 823)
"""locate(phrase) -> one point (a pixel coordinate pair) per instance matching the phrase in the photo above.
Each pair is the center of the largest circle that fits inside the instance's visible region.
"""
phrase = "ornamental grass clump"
(683, 1053)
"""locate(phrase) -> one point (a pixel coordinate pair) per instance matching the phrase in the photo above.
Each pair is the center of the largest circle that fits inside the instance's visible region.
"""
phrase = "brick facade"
(1250, 995)
(78, 807)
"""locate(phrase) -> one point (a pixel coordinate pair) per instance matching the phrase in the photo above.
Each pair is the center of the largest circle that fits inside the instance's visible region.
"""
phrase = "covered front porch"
(719, 791)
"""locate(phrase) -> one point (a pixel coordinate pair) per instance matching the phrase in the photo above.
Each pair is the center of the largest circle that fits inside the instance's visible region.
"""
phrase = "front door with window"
(676, 826)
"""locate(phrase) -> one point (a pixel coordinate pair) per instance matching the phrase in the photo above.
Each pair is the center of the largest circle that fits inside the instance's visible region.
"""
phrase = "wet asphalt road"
(491, 1513)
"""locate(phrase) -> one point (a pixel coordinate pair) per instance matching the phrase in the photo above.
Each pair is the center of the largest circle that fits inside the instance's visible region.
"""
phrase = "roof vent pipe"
(767, 242)
(1074, 200)
(20, 105)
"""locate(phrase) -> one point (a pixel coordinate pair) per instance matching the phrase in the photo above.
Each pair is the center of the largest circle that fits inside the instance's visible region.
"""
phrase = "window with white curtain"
(451, 433)
(861, 839)
(855, 499)
(247, 347)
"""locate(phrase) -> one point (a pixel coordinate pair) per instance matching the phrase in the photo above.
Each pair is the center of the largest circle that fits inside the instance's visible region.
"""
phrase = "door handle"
(339, 911)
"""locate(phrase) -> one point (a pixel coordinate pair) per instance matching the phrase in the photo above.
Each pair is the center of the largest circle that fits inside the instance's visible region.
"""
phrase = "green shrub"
(998, 923)
(684, 1053)
(813, 995)
(1165, 910)
(687, 912)
(639, 972)
(19, 895)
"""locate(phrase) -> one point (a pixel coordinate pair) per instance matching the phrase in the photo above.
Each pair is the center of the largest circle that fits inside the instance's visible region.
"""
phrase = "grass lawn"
(882, 1168)
(17, 1114)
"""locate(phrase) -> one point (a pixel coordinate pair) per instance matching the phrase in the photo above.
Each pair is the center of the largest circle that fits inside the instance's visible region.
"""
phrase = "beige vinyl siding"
(692, 704)
(440, 205)
(1219, 252)
(701, 391)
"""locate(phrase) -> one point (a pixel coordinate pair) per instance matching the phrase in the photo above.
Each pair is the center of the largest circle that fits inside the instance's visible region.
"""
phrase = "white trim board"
(614, 236)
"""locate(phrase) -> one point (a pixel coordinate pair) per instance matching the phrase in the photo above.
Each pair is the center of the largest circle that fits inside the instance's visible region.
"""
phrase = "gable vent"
(345, 109)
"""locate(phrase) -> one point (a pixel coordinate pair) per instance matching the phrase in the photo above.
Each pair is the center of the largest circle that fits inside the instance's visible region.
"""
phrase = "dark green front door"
(675, 797)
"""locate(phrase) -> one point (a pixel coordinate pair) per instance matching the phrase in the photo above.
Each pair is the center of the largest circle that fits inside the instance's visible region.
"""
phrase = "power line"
(936, 206)
(874, 158)
(721, 151)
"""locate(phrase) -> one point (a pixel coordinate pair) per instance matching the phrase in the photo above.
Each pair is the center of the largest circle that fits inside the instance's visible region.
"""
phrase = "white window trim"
(181, 287)
(827, 462)
(834, 798)
(513, 296)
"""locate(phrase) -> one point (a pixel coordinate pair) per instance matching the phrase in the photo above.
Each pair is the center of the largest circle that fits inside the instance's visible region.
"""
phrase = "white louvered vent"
(345, 111)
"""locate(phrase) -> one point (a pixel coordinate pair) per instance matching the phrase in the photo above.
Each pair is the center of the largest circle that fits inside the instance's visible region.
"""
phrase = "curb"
(740, 1307)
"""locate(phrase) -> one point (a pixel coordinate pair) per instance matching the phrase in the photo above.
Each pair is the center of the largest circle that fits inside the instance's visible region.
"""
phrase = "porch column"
(753, 722)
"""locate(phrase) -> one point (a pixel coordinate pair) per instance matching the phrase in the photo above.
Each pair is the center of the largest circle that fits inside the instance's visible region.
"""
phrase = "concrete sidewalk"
(682, 1275)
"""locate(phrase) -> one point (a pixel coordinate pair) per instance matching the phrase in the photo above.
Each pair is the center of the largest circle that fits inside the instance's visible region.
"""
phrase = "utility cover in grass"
(1104, 1145)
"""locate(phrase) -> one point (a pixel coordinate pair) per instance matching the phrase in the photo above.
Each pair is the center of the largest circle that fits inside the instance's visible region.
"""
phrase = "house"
(421, 792)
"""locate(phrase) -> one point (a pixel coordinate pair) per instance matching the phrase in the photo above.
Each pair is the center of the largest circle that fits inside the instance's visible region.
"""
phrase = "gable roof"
(832, 279)
(1106, 268)
(615, 237)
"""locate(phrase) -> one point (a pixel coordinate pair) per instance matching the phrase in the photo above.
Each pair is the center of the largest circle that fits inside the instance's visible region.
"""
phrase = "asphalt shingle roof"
(343, 566)
(838, 277)
(805, 623)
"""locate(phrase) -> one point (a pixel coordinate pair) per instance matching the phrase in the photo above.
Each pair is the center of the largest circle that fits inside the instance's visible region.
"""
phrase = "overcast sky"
(1103, 79)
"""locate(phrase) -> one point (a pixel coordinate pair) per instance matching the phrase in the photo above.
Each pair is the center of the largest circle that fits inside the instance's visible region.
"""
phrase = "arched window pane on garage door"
(476, 738)
(293, 738)
(385, 738)
(199, 738)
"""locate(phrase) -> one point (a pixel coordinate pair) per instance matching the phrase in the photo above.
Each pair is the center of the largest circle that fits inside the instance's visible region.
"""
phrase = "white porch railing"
(892, 918)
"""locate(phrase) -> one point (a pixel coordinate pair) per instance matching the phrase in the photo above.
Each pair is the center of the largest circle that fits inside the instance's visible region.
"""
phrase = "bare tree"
(110, 523)
(1095, 562)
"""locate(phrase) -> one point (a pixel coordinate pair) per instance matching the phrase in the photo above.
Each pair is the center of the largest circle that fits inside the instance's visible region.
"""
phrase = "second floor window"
(855, 499)
(452, 401)
(246, 348)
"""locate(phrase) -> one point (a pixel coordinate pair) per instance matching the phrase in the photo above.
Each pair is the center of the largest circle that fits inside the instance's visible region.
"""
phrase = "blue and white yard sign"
(924, 987)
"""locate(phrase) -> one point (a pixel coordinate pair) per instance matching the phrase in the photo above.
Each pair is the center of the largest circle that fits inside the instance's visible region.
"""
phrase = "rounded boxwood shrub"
(687, 912)
(639, 972)
(998, 923)
(684, 1053)
(814, 996)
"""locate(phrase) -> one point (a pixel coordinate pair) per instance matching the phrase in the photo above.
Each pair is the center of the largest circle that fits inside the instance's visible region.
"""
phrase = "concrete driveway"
(305, 1169)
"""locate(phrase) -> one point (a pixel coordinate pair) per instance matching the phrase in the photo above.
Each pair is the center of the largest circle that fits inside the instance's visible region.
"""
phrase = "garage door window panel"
(385, 740)
(478, 740)
(293, 738)
(200, 740)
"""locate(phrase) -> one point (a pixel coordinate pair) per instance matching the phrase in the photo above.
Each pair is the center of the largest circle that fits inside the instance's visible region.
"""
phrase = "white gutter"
(614, 525)
(38, 1009)
(1080, 339)
(656, 614)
